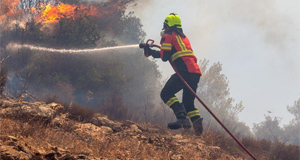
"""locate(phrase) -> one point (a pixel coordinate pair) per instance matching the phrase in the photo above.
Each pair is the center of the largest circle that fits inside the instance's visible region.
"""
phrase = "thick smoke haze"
(256, 41)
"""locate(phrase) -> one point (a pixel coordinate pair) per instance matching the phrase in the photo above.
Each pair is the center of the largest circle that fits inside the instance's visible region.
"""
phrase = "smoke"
(256, 41)
(25, 4)
(207, 17)
(262, 14)
(217, 29)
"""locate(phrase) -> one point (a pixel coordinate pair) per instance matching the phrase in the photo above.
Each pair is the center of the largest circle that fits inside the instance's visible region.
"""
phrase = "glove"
(147, 51)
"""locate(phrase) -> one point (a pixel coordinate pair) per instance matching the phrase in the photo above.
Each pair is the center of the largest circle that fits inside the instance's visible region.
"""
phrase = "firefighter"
(176, 48)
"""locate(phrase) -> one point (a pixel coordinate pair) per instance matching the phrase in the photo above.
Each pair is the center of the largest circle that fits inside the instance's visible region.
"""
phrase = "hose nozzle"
(142, 45)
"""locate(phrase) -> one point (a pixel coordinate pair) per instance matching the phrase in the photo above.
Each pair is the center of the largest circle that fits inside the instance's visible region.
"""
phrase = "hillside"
(43, 131)
(46, 131)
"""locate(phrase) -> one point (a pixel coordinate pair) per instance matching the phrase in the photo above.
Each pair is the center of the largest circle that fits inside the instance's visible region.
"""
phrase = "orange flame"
(8, 8)
(52, 14)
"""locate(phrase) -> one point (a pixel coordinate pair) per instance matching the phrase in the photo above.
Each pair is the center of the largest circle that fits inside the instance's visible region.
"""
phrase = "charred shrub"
(77, 32)
(114, 107)
(3, 78)
(78, 113)
(265, 145)
(73, 110)
(280, 151)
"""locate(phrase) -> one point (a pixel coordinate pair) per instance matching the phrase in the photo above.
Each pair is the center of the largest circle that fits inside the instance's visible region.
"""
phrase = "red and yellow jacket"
(178, 51)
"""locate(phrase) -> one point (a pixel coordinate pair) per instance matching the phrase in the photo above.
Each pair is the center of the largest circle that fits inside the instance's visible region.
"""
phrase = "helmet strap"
(165, 26)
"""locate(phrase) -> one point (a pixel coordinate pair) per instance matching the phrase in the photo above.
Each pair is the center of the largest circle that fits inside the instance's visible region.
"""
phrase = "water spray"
(150, 43)
(33, 47)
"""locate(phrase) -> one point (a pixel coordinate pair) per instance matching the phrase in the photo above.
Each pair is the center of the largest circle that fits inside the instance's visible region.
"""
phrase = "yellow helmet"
(172, 20)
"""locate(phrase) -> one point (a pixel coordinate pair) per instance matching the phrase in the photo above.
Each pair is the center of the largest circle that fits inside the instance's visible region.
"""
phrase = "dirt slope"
(46, 131)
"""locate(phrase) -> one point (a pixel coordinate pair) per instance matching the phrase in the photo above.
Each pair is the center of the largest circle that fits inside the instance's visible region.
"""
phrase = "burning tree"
(74, 24)
(8, 8)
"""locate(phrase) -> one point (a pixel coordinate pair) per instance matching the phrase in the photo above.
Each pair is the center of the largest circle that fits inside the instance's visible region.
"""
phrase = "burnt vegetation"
(119, 83)
(66, 135)
(122, 84)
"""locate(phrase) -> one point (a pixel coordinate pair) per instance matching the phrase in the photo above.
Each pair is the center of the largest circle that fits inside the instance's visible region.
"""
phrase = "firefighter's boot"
(198, 128)
(180, 113)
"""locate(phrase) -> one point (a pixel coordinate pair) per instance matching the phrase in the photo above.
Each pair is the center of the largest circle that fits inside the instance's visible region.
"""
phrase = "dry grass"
(44, 138)
(156, 142)
(261, 149)
(121, 145)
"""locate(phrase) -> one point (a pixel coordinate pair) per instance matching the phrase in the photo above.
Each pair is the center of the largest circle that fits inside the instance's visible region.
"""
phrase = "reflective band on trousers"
(181, 54)
(193, 113)
(171, 101)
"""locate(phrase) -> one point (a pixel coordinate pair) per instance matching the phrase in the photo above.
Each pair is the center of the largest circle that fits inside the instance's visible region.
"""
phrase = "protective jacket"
(178, 50)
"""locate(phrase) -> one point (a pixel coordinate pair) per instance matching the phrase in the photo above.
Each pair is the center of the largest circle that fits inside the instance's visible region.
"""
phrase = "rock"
(134, 128)
(81, 157)
(214, 147)
(92, 130)
(104, 121)
(129, 123)
(67, 157)
(4, 103)
(177, 136)
(37, 110)
(176, 157)
(55, 106)
(8, 138)
(12, 148)
(183, 141)
(23, 149)
(51, 155)
(59, 121)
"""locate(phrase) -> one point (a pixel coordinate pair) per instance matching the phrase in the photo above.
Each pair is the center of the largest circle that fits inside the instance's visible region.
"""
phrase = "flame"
(8, 8)
(55, 13)
(52, 14)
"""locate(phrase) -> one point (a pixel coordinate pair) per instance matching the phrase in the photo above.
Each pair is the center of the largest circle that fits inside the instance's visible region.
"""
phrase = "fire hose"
(150, 43)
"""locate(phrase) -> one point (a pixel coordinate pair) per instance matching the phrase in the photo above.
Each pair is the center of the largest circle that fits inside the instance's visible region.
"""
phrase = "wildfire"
(48, 13)
(8, 8)
(52, 14)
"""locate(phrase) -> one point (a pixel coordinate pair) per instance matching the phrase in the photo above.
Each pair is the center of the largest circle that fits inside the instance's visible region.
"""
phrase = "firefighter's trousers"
(174, 85)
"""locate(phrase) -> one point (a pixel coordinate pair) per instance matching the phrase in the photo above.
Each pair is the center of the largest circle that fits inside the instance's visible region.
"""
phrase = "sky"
(257, 42)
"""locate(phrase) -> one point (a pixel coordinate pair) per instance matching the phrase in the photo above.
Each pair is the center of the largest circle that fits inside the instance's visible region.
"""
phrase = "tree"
(129, 28)
(292, 130)
(32, 33)
(295, 111)
(125, 71)
(269, 129)
(214, 91)
(79, 32)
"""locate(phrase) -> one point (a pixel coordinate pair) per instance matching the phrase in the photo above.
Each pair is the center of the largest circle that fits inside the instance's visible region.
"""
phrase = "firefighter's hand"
(147, 51)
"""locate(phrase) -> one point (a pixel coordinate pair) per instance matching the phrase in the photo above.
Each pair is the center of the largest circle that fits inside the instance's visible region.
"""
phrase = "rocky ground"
(41, 131)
